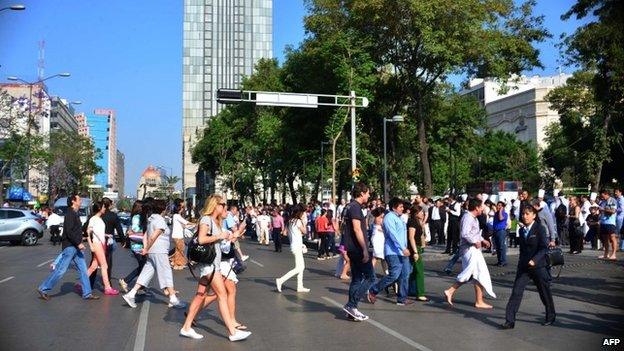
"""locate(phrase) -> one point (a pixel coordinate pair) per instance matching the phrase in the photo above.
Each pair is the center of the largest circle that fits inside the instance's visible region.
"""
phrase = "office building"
(62, 116)
(102, 126)
(522, 109)
(223, 40)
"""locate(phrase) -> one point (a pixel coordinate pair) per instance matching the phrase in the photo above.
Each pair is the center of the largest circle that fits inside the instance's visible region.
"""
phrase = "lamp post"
(394, 119)
(16, 7)
(30, 110)
(451, 143)
(322, 163)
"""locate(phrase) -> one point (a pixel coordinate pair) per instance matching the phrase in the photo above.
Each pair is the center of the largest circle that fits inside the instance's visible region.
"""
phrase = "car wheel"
(29, 237)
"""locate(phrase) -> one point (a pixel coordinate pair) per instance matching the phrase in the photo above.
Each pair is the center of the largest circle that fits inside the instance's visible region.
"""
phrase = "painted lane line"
(6, 279)
(43, 263)
(394, 333)
(256, 262)
(139, 341)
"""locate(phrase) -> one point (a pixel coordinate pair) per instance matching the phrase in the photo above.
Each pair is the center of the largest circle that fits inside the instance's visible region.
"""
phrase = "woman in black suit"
(532, 265)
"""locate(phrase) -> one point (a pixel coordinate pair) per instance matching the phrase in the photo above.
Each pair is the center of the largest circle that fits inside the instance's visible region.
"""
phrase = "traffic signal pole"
(273, 98)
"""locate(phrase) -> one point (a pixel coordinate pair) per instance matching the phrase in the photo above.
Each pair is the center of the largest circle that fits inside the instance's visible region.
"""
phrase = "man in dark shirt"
(356, 244)
(72, 252)
(112, 224)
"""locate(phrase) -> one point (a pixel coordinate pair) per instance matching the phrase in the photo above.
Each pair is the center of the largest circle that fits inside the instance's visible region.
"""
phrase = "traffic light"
(229, 96)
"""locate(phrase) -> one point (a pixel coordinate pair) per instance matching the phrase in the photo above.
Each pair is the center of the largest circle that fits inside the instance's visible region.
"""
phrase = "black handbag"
(205, 253)
(554, 257)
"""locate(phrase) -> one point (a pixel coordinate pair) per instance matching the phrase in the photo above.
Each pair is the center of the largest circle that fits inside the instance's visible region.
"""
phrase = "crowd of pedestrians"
(378, 246)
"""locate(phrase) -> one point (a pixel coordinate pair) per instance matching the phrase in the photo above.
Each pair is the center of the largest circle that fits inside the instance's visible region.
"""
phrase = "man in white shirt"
(55, 224)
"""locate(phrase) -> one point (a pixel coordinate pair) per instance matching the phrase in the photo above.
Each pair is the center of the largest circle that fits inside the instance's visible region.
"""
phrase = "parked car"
(21, 226)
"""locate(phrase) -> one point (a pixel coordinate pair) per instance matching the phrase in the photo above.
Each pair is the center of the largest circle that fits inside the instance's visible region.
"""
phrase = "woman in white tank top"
(296, 230)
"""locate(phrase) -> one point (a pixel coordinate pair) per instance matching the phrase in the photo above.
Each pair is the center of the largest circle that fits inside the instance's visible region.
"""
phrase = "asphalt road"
(588, 300)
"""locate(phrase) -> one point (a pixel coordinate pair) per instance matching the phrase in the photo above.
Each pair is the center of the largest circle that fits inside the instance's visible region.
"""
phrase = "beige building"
(121, 173)
(149, 182)
(522, 110)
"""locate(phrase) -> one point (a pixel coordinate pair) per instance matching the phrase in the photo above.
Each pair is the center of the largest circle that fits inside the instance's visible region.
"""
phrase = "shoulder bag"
(205, 253)
(554, 257)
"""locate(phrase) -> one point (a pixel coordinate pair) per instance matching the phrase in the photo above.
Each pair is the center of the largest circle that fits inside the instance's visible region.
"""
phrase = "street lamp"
(16, 7)
(322, 163)
(394, 119)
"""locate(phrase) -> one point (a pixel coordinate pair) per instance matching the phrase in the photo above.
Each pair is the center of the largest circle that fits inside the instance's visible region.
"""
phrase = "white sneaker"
(191, 333)
(240, 335)
(129, 300)
(278, 283)
(245, 258)
(176, 304)
(303, 290)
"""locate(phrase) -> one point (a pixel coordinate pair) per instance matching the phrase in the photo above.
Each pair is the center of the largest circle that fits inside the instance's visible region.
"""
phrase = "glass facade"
(223, 40)
(98, 130)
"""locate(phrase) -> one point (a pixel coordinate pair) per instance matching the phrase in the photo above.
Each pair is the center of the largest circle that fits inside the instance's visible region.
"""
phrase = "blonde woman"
(210, 231)
(296, 231)
(96, 236)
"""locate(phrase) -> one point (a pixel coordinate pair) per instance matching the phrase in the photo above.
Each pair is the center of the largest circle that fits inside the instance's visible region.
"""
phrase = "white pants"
(298, 270)
(160, 264)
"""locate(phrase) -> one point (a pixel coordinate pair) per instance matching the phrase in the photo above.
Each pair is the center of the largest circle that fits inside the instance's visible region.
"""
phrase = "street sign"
(113, 195)
(286, 99)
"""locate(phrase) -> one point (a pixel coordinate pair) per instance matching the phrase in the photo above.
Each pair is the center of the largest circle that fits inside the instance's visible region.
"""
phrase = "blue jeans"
(69, 255)
(500, 239)
(399, 268)
(452, 261)
(362, 275)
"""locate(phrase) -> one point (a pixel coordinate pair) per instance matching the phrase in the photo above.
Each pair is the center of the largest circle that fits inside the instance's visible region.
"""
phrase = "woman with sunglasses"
(210, 231)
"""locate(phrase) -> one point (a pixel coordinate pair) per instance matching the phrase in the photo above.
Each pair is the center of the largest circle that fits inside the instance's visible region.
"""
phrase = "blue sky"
(127, 55)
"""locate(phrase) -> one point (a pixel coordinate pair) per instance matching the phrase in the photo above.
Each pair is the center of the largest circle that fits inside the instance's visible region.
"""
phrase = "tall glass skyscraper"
(223, 40)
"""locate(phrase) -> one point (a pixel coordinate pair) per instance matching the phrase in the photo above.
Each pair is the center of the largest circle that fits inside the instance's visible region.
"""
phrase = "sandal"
(241, 327)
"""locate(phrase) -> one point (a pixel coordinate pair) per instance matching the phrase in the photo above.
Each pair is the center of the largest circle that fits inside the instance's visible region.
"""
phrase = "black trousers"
(541, 278)
(437, 232)
(277, 239)
(109, 261)
(141, 259)
(324, 245)
(576, 239)
(55, 234)
(452, 240)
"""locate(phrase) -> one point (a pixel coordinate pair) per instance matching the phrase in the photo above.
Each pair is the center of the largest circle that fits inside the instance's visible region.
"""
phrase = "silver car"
(20, 226)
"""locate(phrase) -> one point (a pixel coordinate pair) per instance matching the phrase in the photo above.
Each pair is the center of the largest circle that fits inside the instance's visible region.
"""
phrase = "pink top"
(277, 222)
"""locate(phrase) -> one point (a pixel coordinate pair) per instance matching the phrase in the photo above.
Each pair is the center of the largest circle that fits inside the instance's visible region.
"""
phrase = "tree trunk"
(1, 188)
(283, 184)
(604, 144)
(293, 191)
(273, 185)
(424, 152)
(315, 190)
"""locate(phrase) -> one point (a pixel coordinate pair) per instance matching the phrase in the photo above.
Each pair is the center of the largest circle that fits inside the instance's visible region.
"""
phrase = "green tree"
(422, 42)
(71, 164)
(22, 147)
(598, 49)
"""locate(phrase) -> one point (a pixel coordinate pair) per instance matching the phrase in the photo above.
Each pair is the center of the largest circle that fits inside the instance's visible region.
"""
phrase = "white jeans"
(298, 270)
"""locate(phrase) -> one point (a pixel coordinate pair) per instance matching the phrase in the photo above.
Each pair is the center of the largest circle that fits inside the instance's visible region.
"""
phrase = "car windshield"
(62, 210)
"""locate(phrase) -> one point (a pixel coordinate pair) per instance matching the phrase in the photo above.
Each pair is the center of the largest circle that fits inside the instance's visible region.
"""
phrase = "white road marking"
(139, 341)
(256, 262)
(394, 333)
(43, 263)
(6, 279)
